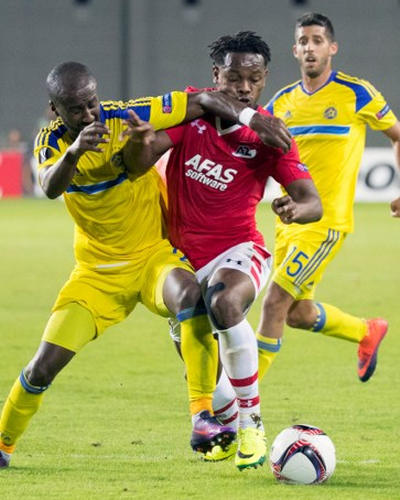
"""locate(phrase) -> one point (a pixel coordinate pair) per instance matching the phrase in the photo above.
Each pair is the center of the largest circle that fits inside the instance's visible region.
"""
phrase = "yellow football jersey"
(116, 218)
(329, 126)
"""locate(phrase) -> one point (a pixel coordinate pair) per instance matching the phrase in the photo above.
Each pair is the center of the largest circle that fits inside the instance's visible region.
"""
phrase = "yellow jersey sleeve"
(168, 110)
(48, 147)
(377, 113)
(162, 112)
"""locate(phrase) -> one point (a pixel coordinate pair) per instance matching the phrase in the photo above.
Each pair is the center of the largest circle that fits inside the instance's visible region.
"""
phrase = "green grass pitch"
(115, 423)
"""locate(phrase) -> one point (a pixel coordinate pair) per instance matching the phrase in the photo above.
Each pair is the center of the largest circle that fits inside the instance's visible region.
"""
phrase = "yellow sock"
(200, 353)
(19, 408)
(268, 348)
(336, 323)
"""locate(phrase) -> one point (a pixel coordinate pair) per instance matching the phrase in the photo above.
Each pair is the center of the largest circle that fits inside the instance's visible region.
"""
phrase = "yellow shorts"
(111, 292)
(301, 257)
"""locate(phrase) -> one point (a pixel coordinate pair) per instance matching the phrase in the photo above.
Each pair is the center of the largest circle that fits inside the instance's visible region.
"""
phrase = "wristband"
(246, 115)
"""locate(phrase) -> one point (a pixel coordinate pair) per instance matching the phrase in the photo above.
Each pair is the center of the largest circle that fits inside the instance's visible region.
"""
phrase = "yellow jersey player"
(122, 256)
(327, 112)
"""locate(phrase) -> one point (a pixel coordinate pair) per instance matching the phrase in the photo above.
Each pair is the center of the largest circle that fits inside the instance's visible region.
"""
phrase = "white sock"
(224, 402)
(239, 356)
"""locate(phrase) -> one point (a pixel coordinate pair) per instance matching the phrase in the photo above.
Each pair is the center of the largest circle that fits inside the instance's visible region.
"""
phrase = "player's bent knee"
(209, 299)
(181, 291)
(224, 309)
(189, 295)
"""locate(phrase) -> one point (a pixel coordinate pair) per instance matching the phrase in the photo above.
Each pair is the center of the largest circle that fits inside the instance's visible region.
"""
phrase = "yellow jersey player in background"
(122, 255)
(327, 112)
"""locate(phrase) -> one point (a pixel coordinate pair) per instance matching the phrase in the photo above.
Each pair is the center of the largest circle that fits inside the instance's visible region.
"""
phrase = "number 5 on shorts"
(296, 264)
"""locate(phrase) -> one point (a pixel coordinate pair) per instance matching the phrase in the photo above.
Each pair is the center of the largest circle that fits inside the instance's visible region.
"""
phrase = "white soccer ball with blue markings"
(302, 454)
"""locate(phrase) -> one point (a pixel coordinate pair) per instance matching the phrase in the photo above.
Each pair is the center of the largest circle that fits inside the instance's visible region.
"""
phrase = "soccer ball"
(302, 454)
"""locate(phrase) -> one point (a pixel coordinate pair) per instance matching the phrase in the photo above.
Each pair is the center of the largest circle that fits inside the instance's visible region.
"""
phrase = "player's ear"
(294, 48)
(333, 49)
(53, 108)
(215, 72)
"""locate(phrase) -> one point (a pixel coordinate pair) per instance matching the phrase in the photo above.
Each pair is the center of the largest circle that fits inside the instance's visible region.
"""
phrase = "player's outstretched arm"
(271, 130)
(144, 146)
(55, 178)
(302, 204)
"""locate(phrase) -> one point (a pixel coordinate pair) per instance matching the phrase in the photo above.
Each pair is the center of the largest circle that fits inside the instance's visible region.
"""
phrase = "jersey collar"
(331, 77)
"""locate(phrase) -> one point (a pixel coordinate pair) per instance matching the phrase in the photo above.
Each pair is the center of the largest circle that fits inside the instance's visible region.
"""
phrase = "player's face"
(242, 76)
(78, 108)
(313, 50)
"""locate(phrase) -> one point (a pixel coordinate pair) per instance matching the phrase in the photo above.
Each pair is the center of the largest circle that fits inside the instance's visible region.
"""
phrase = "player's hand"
(272, 131)
(395, 208)
(137, 130)
(285, 208)
(90, 137)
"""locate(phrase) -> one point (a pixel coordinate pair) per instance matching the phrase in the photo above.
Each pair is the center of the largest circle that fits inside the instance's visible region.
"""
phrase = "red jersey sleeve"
(288, 167)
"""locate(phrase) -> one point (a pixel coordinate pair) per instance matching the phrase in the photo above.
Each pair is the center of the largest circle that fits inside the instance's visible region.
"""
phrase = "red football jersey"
(215, 179)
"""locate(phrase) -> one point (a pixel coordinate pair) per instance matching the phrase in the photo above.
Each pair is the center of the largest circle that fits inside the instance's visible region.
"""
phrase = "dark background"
(147, 47)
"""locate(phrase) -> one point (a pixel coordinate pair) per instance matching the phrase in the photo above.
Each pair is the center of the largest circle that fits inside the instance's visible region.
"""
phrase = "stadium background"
(146, 47)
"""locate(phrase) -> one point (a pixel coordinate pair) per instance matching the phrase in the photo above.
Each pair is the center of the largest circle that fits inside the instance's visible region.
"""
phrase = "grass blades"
(115, 423)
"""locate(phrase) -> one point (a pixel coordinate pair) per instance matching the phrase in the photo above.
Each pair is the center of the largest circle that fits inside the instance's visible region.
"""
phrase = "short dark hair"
(66, 75)
(243, 41)
(312, 18)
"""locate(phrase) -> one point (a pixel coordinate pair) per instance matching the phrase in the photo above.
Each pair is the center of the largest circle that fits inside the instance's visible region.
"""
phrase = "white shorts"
(249, 258)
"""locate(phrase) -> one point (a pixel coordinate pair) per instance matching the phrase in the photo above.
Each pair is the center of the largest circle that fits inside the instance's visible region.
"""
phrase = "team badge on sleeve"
(383, 112)
(167, 103)
(302, 167)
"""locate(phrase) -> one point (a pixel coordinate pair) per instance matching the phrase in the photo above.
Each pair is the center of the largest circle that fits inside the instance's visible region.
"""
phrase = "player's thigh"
(248, 259)
(154, 275)
(70, 327)
(307, 255)
(231, 289)
(109, 294)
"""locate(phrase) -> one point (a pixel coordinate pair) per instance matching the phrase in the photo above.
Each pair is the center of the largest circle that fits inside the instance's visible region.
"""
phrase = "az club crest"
(244, 151)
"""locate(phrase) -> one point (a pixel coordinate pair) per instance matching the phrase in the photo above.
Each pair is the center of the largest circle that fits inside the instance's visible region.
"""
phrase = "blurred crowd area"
(16, 153)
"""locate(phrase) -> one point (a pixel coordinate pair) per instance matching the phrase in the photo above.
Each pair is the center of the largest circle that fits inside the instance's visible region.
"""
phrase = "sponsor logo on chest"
(210, 173)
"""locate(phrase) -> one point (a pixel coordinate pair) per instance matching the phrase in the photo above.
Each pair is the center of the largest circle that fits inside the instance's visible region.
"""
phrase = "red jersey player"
(216, 175)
